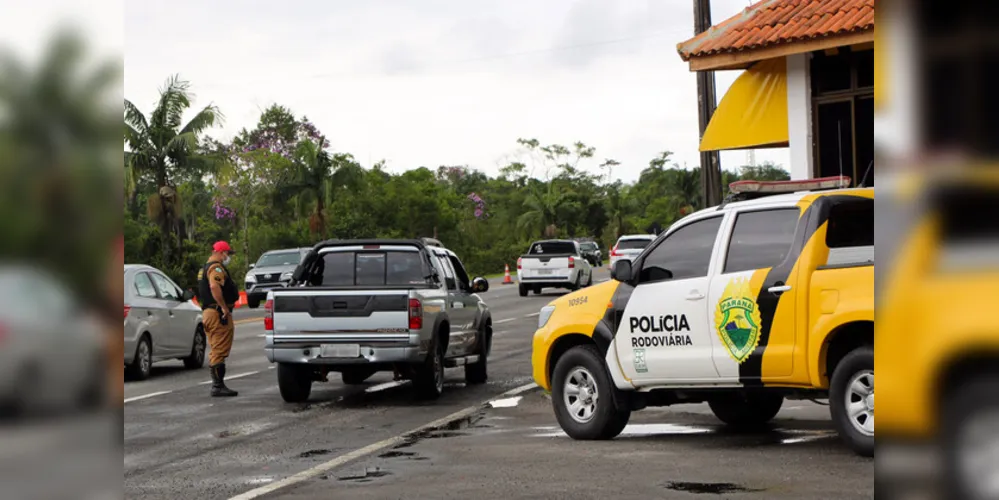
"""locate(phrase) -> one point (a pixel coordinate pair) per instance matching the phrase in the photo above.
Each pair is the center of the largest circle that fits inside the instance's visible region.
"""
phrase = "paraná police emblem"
(737, 320)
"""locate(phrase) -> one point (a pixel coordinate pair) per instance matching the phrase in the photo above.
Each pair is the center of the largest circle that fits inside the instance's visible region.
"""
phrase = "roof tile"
(772, 22)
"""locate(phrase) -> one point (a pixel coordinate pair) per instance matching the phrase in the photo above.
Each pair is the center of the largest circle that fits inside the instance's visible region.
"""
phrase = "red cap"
(221, 246)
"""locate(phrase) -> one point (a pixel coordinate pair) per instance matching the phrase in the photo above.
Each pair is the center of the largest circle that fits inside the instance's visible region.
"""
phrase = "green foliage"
(287, 180)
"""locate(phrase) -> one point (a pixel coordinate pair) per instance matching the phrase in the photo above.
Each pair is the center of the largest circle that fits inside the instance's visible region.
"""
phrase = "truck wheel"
(356, 376)
(429, 379)
(537, 290)
(581, 396)
(294, 382)
(252, 303)
(477, 373)
(967, 424)
(746, 410)
(851, 400)
(522, 289)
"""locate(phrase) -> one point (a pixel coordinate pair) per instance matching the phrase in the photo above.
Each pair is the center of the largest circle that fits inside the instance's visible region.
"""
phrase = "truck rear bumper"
(405, 349)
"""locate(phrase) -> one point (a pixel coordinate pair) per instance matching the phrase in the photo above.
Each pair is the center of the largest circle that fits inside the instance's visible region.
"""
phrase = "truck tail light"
(614, 252)
(520, 262)
(127, 309)
(269, 315)
(572, 263)
(415, 314)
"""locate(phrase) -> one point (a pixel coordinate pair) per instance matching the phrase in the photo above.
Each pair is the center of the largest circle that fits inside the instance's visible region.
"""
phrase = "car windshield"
(588, 246)
(633, 244)
(553, 247)
(279, 259)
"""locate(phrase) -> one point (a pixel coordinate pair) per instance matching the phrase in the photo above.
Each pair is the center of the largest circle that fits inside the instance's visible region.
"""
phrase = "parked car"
(553, 264)
(273, 269)
(161, 322)
(591, 252)
(53, 351)
(766, 298)
(363, 306)
(630, 246)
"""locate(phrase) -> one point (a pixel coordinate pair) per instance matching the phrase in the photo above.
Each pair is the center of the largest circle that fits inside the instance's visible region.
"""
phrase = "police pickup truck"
(553, 264)
(740, 306)
(362, 306)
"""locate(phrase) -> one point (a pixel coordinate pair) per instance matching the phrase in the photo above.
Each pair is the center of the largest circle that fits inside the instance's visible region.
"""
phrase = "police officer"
(218, 294)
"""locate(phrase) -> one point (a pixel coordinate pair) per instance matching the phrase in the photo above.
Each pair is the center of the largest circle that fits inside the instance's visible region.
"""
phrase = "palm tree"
(161, 147)
(543, 207)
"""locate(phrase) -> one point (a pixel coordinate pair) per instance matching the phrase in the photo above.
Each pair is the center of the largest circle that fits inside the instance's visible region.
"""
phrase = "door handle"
(695, 295)
(779, 289)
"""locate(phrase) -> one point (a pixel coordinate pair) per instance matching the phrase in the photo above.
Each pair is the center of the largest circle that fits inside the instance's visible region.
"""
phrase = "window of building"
(843, 113)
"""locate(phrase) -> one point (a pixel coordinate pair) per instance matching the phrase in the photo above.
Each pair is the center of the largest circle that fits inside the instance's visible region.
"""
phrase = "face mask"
(226, 260)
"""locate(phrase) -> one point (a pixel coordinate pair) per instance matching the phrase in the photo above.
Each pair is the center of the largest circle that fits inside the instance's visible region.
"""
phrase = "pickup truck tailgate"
(347, 315)
(541, 266)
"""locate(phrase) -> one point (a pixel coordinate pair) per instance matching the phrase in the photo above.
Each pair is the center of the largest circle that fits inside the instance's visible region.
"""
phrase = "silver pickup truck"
(360, 307)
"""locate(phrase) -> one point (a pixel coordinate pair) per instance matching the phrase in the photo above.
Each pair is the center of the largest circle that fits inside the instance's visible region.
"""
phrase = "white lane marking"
(500, 322)
(147, 396)
(372, 448)
(262, 335)
(386, 385)
(533, 314)
(232, 377)
(603, 280)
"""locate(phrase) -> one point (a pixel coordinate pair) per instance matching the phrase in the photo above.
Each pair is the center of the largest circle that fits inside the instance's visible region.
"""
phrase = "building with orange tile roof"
(808, 83)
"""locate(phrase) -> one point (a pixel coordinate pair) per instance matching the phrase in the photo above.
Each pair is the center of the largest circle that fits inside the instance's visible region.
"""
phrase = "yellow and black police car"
(767, 297)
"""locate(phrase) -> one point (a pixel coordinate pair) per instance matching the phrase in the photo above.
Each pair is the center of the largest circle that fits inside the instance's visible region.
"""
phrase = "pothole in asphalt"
(709, 488)
(444, 431)
(314, 453)
(369, 474)
(408, 455)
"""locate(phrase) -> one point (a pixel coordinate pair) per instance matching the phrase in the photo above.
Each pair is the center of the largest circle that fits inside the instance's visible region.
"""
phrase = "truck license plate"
(546, 272)
(339, 350)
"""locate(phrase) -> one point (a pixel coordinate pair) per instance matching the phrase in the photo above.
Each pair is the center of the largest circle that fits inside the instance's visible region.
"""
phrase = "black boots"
(219, 390)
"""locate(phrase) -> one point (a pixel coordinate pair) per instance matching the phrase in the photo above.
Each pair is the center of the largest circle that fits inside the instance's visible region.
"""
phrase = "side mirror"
(480, 285)
(622, 271)
(252, 266)
(188, 295)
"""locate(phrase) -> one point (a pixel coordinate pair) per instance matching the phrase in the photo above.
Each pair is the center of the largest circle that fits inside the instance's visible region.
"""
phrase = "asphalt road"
(359, 441)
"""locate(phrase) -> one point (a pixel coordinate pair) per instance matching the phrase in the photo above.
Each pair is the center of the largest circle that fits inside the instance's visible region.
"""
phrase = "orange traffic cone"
(506, 275)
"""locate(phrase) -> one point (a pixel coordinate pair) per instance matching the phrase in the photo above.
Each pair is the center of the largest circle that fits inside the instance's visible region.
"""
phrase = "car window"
(167, 290)
(633, 244)
(851, 224)
(686, 253)
(448, 272)
(144, 286)
(552, 247)
(761, 239)
(460, 274)
(279, 259)
(372, 269)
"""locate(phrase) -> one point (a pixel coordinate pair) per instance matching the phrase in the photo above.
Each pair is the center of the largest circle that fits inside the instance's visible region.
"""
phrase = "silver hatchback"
(161, 322)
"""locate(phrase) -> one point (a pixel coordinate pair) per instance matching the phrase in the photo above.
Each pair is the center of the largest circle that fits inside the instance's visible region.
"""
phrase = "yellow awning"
(753, 113)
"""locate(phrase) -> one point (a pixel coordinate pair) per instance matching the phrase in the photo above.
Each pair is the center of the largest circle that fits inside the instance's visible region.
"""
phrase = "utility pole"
(711, 188)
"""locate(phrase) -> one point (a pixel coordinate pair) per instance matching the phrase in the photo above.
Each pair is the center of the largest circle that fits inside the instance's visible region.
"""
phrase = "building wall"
(799, 117)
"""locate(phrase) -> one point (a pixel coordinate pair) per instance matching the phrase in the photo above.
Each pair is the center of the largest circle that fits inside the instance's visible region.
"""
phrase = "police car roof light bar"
(750, 189)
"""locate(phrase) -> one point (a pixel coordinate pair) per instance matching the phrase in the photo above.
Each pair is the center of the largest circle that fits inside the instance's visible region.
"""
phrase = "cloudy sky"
(439, 82)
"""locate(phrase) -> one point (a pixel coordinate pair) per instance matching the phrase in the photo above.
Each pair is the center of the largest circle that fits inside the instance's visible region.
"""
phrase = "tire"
(142, 364)
(355, 376)
(294, 382)
(746, 409)
(429, 380)
(599, 419)
(522, 289)
(252, 303)
(478, 372)
(589, 280)
(968, 407)
(850, 377)
(197, 357)
(537, 290)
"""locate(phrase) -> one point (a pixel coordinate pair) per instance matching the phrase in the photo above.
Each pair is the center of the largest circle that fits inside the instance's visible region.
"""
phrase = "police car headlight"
(249, 279)
(546, 313)
(287, 275)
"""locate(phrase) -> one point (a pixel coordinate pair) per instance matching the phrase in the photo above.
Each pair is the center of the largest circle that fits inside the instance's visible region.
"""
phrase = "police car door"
(755, 274)
(664, 334)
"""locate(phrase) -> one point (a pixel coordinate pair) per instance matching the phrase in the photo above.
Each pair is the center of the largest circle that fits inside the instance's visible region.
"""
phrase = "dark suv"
(272, 270)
